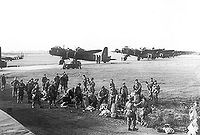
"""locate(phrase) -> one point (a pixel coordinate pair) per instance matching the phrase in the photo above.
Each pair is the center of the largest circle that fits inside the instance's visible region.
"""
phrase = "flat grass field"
(179, 79)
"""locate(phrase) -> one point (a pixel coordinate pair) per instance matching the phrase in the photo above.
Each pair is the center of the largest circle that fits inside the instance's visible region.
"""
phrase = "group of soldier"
(133, 103)
(35, 94)
(136, 106)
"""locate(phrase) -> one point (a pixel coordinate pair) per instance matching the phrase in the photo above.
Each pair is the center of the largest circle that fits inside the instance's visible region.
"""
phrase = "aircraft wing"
(93, 51)
(9, 125)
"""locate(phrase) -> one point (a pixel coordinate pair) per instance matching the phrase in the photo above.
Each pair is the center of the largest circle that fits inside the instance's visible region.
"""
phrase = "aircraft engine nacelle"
(126, 50)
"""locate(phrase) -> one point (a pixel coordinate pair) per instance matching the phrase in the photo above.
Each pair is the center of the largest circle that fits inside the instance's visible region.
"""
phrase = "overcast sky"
(92, 24)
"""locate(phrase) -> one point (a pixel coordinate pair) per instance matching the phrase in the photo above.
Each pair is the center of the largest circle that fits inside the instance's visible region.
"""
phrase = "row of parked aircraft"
(11, 57)
(150, 54)
(94, 55)
(89, 55)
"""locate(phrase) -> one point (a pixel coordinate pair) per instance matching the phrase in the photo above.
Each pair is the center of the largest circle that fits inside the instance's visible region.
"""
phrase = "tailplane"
(105, 57)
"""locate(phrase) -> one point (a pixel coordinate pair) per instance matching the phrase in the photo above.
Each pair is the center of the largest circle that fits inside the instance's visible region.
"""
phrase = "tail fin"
(105, 57)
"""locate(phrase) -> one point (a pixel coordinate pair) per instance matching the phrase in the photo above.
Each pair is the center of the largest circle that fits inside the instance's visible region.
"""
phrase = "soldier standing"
(84, 83)
(44, 80)
(88, 83)
(149, 87)
(66, 81)
(57, 81)
(156, 91)
(112, 85)
(92, 85)
(113, 92)
(14, 83)
(29, 88)
(52, 94)
(63, 82)
(140, 103)
(47, 85)
(131, 114)
(20, 91)
(3, 82)
(36, 95)
(137, 87)
(123, 93)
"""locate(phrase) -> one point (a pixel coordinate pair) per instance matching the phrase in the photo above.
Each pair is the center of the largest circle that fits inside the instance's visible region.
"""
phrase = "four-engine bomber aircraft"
(149, 53)
(80, 54)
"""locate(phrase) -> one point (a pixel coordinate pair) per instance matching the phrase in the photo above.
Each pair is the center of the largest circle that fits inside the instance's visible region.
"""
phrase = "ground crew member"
(131, 114)
(20, 91)
(57, 81)
(123, 94)
(78, 95)
(44, 80)
(3, 82)
(14, 83)
(103, 96)
(137, 87)
(36, 94)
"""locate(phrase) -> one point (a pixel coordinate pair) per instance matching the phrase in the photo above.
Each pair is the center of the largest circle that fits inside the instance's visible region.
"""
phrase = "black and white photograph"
(99, 67)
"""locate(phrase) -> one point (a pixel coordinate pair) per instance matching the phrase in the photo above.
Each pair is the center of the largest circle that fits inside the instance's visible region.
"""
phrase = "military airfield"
(178, 78)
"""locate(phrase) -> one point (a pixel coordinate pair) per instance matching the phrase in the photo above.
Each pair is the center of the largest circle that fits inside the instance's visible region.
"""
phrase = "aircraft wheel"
(138, 58)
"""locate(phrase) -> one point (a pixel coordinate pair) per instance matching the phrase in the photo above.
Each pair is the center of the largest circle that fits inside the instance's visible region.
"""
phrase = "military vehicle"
(73, 64)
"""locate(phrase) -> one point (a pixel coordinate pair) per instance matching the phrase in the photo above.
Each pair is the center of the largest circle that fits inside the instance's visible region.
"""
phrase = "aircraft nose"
(50, 51)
